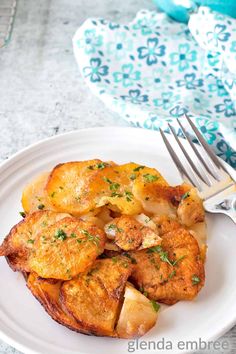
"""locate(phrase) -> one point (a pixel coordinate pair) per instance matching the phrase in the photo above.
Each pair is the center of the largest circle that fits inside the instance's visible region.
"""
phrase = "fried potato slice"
(94, 299)
(198, 230)
(34, 196)
(66, 248)
(78, 187)
(68, 186)
(172, 272)
(137, 316)
(20, 241)
(129, 234)
(47, 292)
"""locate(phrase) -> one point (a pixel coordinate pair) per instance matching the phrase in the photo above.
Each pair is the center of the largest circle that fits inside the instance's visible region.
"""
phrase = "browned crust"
(108, 293)
(156, 277)
(53, 307)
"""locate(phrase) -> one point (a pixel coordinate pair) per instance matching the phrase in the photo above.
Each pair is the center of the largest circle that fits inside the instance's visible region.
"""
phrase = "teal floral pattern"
(90, 41)
(208, 129)
(190, 82)
(227, 108)
(155, 70)
(166, 101)
(135, 97)
(127, 76)
(218, 34)
(151, 52)
(96, 70)
(184, 57)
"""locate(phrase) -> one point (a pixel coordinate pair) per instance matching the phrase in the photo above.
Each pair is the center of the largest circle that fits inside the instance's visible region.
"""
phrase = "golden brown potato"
(198, 230)
(94, 299)
(172, 272)
(138, 314)
(78, 187)
(190, 210)
(68, 186)
(34, 196)
(66, 248)
(47, 292)
(20, 241)
(129, 234)
(155, 236)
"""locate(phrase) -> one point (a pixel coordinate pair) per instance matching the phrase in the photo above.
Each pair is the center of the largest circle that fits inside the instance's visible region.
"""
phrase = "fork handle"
(224, 204)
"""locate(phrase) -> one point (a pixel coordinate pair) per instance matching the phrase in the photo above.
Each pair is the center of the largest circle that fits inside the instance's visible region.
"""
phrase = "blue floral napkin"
(154, 70)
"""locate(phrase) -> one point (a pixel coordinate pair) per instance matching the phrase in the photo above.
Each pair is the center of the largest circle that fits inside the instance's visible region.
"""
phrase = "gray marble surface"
(41, 91)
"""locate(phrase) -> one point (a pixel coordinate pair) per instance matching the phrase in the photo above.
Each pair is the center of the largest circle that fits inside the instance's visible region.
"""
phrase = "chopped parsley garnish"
(79, 240)
(41, 206)
(133, 260)
(141, 289)
(195, 280)
(23, 214)
(105, 179)
(90, 237)
(73, 235)
(61, 188)
(178, 260)
(98, 166)
(30, 241)
(53, 194)
(155, 249)
(60, 235)
(129, 196)
(133, 176)
(136, 169)
(114, 186)
(155, 305)
(163, 255)
(114, 227)
(185, 195)
(114, 259)
(102, 165)
(150, 178)
(115, 194)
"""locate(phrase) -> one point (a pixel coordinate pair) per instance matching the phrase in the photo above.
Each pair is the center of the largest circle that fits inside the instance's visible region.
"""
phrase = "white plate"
(25, 325)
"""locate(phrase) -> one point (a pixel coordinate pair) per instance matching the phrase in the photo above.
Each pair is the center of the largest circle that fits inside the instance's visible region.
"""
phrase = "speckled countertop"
(41, 91)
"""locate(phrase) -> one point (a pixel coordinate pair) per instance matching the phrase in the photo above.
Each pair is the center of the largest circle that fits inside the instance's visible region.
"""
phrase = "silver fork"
(204, 170)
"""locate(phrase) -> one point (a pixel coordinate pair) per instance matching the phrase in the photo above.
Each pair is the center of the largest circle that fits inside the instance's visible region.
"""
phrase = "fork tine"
(195, 150)
(188, 158)
(177, 161)
(211, 155)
